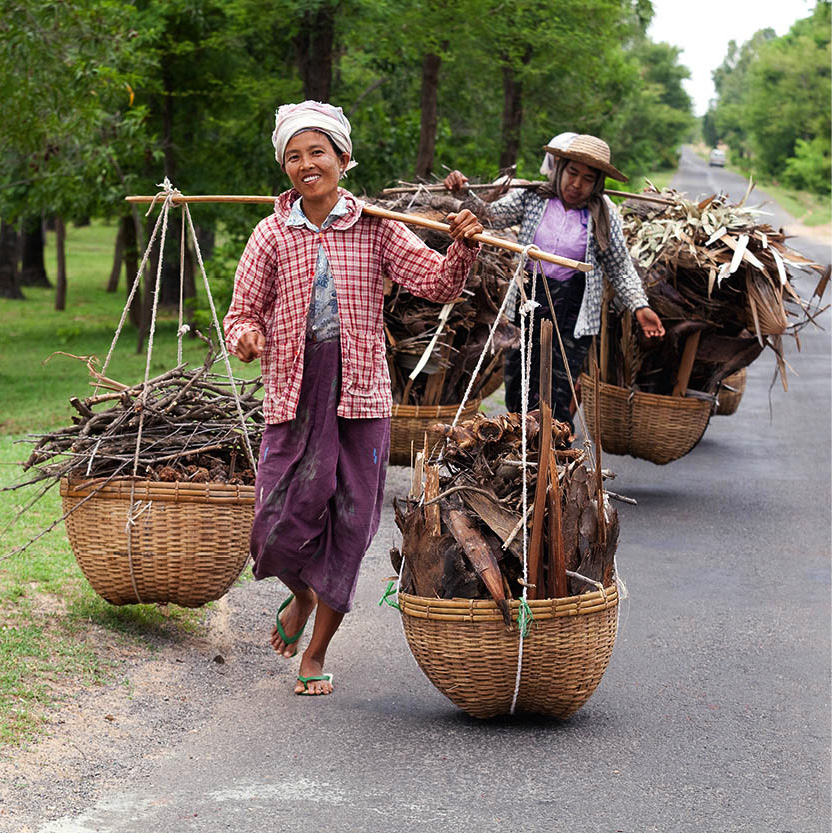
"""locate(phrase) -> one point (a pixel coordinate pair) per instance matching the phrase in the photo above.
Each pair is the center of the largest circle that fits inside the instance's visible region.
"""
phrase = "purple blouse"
(561, 232)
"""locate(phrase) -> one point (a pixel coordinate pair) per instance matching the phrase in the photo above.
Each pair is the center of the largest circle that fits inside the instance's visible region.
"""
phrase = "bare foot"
(293, 621)
(312, 667)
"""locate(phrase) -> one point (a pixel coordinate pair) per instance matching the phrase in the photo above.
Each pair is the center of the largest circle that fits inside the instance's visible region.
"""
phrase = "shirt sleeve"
(254, 288)
(507, 211)
(619, 268)
(409, 261)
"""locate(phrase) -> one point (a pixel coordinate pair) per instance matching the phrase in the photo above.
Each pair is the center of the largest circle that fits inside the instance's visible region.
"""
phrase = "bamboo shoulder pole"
(375, 211)
(486, 186)
(537, 254)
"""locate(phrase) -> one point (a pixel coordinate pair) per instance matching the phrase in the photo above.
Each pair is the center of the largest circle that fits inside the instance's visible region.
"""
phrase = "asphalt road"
(713, 715)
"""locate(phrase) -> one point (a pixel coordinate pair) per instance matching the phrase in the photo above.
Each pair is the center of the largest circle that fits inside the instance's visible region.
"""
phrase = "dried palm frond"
(712, 267)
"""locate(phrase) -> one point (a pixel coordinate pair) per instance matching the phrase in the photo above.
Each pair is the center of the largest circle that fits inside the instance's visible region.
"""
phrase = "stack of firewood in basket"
(463, 529)
(447, 343)
(186, 424)
(720, 280)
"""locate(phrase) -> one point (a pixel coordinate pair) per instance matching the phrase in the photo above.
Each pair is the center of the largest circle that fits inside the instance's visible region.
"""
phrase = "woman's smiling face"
(313, 166)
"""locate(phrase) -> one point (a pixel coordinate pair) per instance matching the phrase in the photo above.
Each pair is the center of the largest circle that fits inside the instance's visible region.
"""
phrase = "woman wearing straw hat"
(570, 216)
(308, 302)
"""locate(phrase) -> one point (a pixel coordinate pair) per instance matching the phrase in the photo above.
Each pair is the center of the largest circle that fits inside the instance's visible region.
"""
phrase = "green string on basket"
(385, 597)
(524, 617)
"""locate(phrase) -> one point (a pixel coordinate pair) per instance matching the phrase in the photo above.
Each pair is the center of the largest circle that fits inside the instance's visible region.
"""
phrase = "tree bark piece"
(686, 365)
(479, 554)
(536, 541)
(558, 586)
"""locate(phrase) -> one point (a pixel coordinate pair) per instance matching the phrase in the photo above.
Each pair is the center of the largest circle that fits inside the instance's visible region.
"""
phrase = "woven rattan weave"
(467, 653)
(188, 542)
(728, 399)
(653, 427)
(410, 422)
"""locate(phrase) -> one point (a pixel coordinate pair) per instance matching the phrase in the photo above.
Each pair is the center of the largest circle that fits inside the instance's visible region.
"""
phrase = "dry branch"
(478, 483)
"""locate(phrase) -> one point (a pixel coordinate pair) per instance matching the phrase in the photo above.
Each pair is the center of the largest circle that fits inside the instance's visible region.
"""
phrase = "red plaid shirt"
(273, 288)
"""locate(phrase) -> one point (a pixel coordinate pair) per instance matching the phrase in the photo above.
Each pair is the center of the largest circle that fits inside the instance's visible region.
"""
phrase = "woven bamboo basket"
(654, 427)
(464, 648)
(728, 399)
(188, 543)
(411, 422)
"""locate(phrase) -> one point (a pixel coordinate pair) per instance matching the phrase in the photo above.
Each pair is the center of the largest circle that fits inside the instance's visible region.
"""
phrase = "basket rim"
(400, 410)
(486, 610)
(142, 489)
(663, 400)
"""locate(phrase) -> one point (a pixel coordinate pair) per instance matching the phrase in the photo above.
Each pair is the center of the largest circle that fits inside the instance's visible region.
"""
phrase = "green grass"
(56, 633)
(36, 388)
(809, 209)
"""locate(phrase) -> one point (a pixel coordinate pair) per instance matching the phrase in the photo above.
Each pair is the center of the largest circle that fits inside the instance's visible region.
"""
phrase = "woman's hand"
(455, 181)
(250, 346)
(464, 226)
(651, 324)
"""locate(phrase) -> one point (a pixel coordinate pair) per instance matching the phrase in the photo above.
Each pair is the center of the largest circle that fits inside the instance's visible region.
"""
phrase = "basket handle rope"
(168, 194)
(524, 615)
(135, 511)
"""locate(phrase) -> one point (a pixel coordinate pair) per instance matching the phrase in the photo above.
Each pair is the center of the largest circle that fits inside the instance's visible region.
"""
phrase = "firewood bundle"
(412, 323)
(191, 430)
(720, 281)
(462, 529)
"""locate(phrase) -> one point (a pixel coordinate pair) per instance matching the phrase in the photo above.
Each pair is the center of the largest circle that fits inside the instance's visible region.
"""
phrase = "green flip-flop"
(288, 640)
(305, 680)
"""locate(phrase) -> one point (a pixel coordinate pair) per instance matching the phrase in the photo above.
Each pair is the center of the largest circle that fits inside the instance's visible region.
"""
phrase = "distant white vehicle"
(717, 157)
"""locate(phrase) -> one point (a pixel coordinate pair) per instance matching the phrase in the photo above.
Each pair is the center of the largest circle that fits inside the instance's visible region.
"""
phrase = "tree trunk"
(9, 285)
(189, 278)
(427, 131)
(32, 265)
(207, 240)
(60, 251)
(118, 259)
(313, 47)
(512, 113)
(131, 267)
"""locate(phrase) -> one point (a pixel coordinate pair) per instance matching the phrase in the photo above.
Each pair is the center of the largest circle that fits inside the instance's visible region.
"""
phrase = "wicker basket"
(410, 422)
(728, 399)
(188, 543)
(468, 654)
(654, 427)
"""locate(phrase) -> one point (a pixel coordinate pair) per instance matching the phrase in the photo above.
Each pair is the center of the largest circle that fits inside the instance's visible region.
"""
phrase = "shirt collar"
(298, 218)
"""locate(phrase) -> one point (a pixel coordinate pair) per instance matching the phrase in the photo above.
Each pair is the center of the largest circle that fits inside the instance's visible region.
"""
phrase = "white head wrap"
(562, 141)
(311, 115)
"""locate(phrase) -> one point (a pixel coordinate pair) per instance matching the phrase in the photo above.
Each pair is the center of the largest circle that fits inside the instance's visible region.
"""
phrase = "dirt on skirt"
(319, 488)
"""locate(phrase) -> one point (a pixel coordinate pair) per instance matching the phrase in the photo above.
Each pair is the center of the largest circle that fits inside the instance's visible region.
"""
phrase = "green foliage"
(811, 167)
(220, 270)
(70, 114)
(121, 93)
(773, 105)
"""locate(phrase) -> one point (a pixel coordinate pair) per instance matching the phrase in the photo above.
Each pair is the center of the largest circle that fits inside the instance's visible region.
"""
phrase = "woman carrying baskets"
(571, 216)
(308, 296)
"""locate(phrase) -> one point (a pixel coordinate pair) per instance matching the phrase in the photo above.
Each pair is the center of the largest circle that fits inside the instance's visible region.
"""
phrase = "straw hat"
(588, 149)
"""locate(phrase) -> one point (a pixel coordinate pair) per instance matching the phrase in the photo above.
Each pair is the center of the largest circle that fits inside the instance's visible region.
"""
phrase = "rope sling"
(168, 195)
(525, 616)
